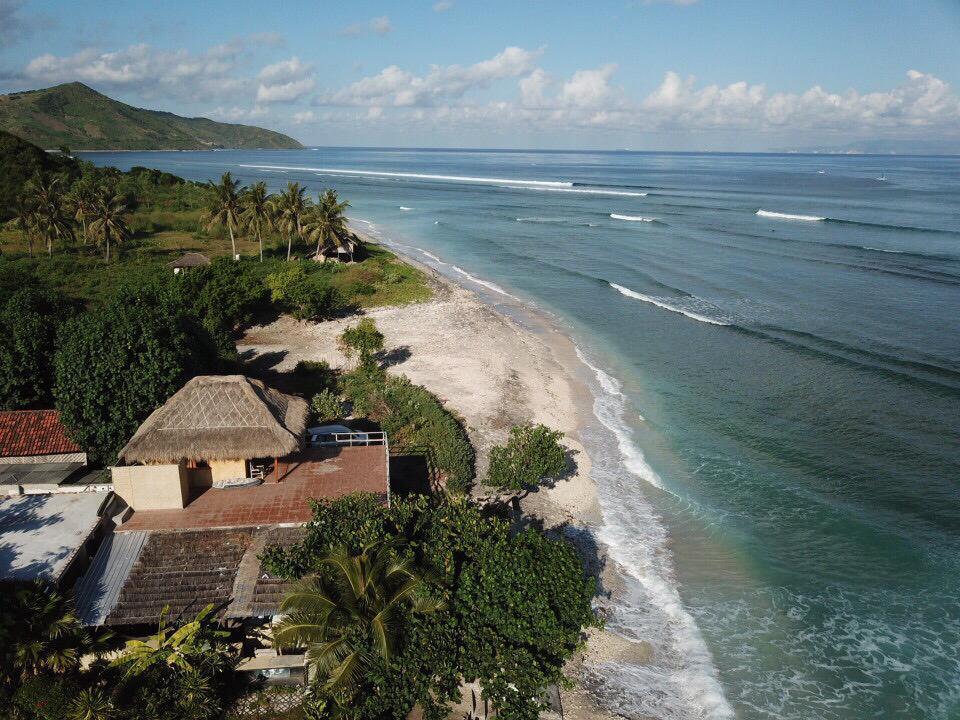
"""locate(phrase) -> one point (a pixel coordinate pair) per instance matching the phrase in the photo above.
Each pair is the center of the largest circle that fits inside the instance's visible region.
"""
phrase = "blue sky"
(683, 74)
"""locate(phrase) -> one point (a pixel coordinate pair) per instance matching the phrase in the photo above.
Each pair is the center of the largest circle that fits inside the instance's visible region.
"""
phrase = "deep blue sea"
(774, 346)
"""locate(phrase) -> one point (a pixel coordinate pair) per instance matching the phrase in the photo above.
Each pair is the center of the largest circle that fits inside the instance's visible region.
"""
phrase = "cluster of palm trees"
(291, 213)
(47, 213)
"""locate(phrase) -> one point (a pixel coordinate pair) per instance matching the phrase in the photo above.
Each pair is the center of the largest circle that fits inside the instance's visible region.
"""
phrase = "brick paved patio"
(313, 473)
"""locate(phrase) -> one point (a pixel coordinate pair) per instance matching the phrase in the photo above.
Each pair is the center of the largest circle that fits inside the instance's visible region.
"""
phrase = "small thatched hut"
(187, 261)
(342, 253)
(206, 434)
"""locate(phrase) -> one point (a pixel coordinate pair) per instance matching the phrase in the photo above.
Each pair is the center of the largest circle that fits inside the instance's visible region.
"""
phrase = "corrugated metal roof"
(98, 591)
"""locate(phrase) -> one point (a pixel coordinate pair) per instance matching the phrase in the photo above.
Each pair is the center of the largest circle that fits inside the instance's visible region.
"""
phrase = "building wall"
(78, 457)
(227, 469)
(152, 487)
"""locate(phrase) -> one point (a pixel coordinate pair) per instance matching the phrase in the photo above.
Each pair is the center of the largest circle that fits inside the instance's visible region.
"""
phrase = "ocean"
(773, 344)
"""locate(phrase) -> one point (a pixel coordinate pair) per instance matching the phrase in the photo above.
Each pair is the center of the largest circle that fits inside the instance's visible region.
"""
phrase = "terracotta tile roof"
(33, 432)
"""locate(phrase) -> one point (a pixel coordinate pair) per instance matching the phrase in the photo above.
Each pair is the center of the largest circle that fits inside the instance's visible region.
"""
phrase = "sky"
(739, 75)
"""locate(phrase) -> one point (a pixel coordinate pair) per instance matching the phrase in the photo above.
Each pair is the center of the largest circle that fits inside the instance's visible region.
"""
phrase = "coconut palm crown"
(257, 211)
(225, 206)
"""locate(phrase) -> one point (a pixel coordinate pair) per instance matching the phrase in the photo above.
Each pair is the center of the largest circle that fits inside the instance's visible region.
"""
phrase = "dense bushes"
(116, 364)
(515, 604)
(28, 326)
(307, 295)
(413, 419)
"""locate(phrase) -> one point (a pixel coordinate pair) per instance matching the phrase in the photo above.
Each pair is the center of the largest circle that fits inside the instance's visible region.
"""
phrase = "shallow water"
(776, 362)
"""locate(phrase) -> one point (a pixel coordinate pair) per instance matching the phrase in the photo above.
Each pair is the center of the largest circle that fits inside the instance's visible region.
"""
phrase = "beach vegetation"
(510, 608)
(415, 421)
(362, 341)
(532, 453)
(307, 294)
(226, 207)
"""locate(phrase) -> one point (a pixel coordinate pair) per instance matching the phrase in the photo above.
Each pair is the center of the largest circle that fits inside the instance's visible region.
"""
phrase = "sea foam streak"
(582, 191)
(419, 176)
(680, 680)
(405, 208)
(661, 303)
(489, 285)
(787, 216)
(632, 218)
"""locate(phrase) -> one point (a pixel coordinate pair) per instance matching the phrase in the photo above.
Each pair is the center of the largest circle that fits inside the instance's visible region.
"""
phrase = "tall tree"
(291, 210)
(50, 219)
(258, 211)
(25, 220)
(28, 327)
(350, 615)
(328, 226)
(82, 200)
(225, 206)
(109, 221)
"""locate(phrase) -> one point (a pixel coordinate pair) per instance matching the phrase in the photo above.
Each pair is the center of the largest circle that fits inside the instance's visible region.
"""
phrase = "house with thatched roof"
(207, 435)
(338, 253)
(187, 261)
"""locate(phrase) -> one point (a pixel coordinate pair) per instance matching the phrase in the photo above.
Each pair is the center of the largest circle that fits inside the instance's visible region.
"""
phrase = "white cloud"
(442, 5)
(380, 25)
(588, 88)
(393, 86)
(154, 72)
(285, 81)
(306, 116)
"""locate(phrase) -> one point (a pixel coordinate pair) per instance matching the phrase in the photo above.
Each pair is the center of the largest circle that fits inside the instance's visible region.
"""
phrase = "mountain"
(83, 119)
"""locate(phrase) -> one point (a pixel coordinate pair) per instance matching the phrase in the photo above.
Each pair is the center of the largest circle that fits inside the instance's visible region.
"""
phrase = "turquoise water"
(774, 347)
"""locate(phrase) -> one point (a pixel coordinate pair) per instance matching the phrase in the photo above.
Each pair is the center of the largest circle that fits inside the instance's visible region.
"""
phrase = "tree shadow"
(395, 356)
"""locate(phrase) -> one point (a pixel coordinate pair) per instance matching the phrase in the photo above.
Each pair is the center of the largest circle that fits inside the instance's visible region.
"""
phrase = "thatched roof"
(190, 259)
(220, 417)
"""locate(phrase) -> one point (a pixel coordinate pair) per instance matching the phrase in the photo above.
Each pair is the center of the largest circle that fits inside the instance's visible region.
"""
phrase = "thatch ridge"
(220, 417)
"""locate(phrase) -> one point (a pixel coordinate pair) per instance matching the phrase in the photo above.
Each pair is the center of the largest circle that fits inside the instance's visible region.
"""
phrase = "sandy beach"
(494, 374)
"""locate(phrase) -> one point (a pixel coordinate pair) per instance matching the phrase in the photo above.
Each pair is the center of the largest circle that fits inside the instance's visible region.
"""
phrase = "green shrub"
(362, 340)
(45, 697)
(315, 376)
(532, 453)
(326, 407)
(415, 419)
(307, 296)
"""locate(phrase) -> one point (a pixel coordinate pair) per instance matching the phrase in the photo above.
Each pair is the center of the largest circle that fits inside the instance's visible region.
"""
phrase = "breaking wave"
(680, 680)
(667, 304)
(632, 218)
(582, 191)
(405, 208)
(788, 216)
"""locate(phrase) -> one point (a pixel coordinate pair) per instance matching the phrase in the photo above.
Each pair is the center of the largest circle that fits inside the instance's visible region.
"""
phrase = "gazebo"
(205, 435)
(187, 261)
(342, 252)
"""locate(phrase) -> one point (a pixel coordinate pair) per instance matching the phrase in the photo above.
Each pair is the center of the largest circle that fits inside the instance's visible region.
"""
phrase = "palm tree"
(81, 200)
(91, 704)
(328, 226)
(291, 209)
(25, 220)
(50, 221)
(108, 218)
(225, 206)
(350, 615)
(40, 632)
(258, 211)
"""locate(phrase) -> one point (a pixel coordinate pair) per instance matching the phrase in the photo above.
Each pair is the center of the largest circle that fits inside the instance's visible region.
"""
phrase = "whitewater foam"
(430, 255)
(680, 681)
(662, 303)
(632, 218)
(788, 216)
(489, 285)
(417, 176)
(405, 208)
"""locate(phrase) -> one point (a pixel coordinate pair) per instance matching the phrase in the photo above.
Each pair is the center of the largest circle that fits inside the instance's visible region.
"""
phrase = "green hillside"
(83, 119)
(20, 161)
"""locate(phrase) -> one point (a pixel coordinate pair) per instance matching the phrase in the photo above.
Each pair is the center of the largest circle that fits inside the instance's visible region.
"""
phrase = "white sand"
(494, 375)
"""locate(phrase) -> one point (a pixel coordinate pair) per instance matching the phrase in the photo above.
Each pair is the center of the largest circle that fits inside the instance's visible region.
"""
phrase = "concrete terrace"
(314, 473)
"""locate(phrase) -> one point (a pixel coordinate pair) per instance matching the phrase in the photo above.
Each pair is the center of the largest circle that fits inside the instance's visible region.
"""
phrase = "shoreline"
(495, 371)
